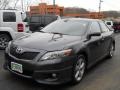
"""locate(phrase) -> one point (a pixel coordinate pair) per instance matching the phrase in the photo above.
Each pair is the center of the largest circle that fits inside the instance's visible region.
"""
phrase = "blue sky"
(88, 4)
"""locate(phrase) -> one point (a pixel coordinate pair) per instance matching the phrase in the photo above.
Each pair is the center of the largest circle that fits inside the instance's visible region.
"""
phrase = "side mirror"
(93, 34)
(40, 28)
(111, 29)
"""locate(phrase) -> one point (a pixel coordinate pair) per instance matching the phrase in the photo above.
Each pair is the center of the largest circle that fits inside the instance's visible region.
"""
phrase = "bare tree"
(4, 4)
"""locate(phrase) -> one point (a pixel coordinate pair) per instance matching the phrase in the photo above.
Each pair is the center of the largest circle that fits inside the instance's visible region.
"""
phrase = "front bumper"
(46, 72)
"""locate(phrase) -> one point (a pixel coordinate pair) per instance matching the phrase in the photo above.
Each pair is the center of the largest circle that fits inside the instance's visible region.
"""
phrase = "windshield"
(69, 27)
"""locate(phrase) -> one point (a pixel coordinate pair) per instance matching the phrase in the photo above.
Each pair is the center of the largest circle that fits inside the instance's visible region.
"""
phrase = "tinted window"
(35, 19)
(49, 19)
(104, 28)
(108, 23)
(70, 27)
(9, 17)
(94, 27)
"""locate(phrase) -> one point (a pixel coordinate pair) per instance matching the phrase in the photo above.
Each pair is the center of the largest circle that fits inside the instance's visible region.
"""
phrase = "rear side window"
(104, 28)
(95, 27)
(9, 17)
(108, 23)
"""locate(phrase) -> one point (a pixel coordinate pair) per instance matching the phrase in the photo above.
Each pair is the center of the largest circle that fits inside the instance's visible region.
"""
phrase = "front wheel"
(79, 69)
(4, 40)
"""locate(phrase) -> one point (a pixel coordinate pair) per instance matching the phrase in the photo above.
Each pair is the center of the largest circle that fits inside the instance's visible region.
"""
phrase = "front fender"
(8, 30)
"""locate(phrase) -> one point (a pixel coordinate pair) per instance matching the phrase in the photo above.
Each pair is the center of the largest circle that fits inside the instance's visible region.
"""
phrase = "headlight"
(57, 54)
(8, 47)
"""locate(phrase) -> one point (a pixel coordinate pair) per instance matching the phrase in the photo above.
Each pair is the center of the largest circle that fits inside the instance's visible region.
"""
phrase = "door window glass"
(104, 28)
(9, 17)
(95, 27)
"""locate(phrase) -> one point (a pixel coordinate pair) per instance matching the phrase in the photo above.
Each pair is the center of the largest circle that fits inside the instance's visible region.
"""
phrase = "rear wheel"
(4, 40)
(79, 69)
(111, 51)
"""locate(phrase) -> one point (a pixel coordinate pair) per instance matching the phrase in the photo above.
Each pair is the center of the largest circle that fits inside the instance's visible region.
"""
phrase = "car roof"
(82, 19)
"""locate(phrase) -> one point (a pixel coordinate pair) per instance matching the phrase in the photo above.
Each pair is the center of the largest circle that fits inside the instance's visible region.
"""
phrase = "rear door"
(106, 37)
(9, 20)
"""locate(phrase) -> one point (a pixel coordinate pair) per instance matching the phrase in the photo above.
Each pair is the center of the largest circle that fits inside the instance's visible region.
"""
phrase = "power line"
(112, 5)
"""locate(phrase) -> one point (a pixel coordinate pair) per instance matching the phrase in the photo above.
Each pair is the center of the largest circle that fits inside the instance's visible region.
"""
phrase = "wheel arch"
(84, 53)
(114, 44)
(5, 32)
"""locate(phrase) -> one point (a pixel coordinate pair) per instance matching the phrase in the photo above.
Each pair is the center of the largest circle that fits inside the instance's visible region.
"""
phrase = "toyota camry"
(61, 52)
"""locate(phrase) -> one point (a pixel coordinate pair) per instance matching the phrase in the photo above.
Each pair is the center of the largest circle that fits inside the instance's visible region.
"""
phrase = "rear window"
(35, 19)
(9, 17)
(49, 19)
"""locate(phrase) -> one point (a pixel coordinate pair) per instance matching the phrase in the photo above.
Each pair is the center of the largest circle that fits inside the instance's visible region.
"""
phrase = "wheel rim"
(111, 51)
(79, 69)
(3, 42)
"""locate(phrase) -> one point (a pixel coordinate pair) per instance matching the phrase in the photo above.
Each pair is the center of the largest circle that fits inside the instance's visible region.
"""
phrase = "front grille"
(24, 55)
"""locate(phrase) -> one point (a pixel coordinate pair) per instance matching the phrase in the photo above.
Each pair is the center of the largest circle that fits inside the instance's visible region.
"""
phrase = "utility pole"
(16, 3)
(27, 6)
(22, 5)
(100, 2)
(54, 6)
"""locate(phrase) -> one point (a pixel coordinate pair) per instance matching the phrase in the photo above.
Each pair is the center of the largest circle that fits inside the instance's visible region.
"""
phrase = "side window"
(95, 27)
(104, 28)
(9, 17)
(108, 23)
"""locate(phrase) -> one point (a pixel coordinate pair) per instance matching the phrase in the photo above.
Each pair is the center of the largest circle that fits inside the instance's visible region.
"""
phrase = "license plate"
(16, 67)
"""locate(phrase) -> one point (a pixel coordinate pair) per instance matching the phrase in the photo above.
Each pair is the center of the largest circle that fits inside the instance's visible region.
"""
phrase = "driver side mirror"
(93, 34)
(111, 29)
(40, 28)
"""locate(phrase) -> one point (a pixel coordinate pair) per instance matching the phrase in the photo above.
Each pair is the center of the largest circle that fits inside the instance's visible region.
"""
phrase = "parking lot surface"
(105, 75)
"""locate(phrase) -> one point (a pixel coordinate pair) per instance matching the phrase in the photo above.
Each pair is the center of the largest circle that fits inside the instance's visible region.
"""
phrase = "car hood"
(46, 41)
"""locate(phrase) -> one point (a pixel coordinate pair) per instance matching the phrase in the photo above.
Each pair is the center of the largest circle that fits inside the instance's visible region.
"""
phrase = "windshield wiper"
(58, 33)
(41, 31)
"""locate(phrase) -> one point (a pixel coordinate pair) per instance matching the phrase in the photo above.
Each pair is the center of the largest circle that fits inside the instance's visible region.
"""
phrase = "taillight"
(20, 27)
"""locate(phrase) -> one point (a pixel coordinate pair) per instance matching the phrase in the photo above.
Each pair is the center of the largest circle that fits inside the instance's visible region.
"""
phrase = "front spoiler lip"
(25, 76)
(37, 80)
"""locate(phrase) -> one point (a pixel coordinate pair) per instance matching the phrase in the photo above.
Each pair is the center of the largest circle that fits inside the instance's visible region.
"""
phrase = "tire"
(111, 51)
(114, 31)
(79, 69)
(4, 40)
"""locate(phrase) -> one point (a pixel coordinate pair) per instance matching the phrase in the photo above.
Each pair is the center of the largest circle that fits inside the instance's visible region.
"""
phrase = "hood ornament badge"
(19, 50)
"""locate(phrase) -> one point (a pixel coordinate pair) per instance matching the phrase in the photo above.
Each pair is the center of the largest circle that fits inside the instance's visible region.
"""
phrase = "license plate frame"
(17, 67)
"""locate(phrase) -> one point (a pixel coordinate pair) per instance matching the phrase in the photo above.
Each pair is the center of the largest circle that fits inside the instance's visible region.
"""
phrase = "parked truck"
(11, 22)
(37, 22)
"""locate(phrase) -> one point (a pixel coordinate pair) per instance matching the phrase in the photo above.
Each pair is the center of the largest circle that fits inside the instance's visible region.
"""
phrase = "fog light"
(54, 75)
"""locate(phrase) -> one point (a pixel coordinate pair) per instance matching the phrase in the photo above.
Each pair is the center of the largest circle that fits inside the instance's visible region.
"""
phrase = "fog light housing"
(54, 75)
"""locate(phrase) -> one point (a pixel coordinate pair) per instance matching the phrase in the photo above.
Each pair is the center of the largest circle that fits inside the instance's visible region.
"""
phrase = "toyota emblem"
(19, 50)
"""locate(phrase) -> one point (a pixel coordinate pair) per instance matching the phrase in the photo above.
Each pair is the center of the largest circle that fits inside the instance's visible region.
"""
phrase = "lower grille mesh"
(24, 55)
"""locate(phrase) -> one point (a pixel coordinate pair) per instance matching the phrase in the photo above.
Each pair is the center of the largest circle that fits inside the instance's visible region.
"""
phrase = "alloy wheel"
(79, 69)
(4, 40)
(111, 50)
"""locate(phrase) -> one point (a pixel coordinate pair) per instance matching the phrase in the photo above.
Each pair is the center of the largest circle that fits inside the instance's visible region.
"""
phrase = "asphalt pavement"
(105, 75)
